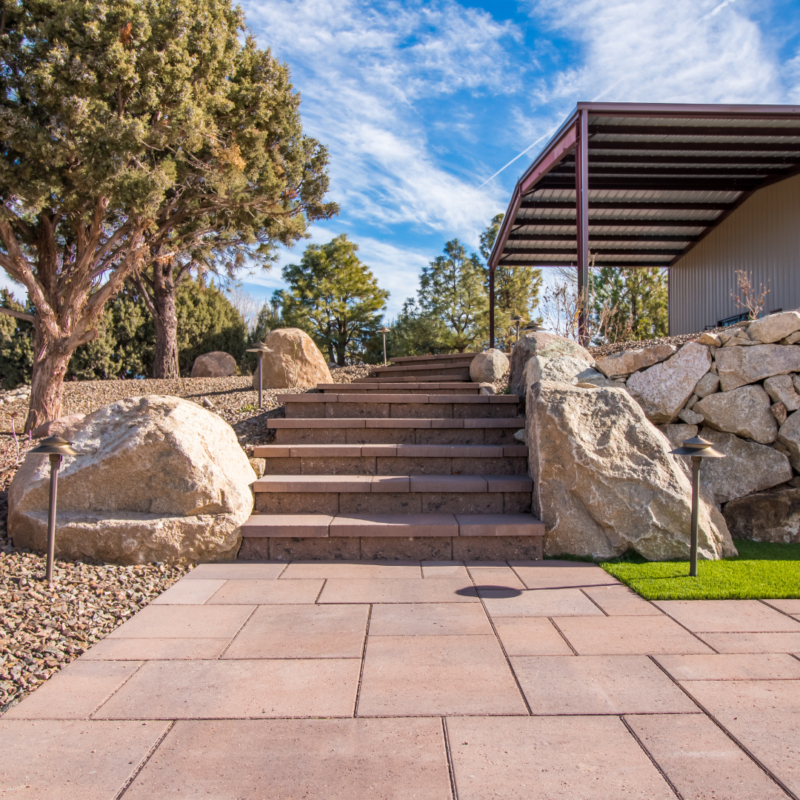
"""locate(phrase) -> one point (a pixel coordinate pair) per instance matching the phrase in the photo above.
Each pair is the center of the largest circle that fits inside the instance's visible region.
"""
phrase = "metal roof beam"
(710, 161)
(597, 263)
(624, 205)
(670, 171)
(553, 222)
(602, 237)
(611, 251)
(659, 184)
(701, 147)
(691, 130)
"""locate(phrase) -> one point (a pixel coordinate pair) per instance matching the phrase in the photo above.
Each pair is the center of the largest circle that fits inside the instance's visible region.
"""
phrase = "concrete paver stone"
(530, 636)
(436, 675)
(76, 691)
(72, 760)
(550, 758)
(379, 759)
(788, 606)
(184, 622)
(307, 631)
(575, 575)
(753, 642)
(620, 601)
(382, 590)
(540, 603)
(322, 687)
(628, 636)
(429, 619)
(700, 760)
(354, 569)
(728, 616)
(187, 593)
(733, 667)
(598, 685)
(444, 569)
(240, 570)
(110, 649)
(267, 592)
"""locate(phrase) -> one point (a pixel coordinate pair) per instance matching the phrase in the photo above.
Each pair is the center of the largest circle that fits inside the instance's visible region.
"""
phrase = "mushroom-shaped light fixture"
(383, 331)
(260, 350)
(698, 449)
(56, 448)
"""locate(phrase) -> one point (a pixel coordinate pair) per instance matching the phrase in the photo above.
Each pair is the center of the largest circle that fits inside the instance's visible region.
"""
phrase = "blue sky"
(421, 103)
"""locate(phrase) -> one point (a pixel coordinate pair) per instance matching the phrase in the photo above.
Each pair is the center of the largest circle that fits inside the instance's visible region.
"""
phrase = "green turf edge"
(762, 570)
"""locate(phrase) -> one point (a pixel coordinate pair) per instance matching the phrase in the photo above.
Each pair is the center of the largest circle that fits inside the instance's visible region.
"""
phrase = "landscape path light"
(698, 449)
(56, 448)
(532, 326)
(384, 331)
(260, 350)
(516, 319)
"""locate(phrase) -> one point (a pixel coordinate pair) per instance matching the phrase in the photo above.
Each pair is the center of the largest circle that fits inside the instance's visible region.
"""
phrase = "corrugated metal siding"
(761, 237)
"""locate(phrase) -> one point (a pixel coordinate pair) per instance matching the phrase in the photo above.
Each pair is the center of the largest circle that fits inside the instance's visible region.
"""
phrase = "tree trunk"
(47, 383)
(165, 362)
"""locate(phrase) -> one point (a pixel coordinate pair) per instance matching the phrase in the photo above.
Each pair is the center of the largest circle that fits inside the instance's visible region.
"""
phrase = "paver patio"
(418, 680)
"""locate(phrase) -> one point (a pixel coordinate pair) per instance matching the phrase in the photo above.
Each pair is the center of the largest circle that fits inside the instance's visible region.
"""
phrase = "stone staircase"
(412, 462)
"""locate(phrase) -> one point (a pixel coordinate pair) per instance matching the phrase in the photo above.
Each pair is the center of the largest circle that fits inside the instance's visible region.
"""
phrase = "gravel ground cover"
(619, 347)
(43, 629)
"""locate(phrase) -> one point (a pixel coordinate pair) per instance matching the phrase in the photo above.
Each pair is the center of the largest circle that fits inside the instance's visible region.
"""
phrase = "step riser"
(378, 465)
(441, 373)
(445, 548)
(383, 390)
(395, 436)
(349, 410)
(447, 358)
(393, 503)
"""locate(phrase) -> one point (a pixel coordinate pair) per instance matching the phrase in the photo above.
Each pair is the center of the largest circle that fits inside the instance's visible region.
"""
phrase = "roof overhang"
(661, 177)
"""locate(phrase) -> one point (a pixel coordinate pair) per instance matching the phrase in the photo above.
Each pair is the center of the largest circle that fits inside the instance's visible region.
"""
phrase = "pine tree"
(516, 289)
(629, 303)
(452, 290)
(415, 332)
(334, 297)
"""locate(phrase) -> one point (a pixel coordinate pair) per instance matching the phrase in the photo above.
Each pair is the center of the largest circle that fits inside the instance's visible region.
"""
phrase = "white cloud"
(663, 51)
(362, 68)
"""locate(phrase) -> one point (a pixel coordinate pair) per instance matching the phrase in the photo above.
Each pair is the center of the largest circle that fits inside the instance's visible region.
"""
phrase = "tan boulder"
(490, 366)
(564, 369)
(772, 516)
(774, 327)
(789, 437)
(604, 480)
(662, 390)
(747, 467)
(62, 427)
(744, 411)
(707, 385)
(711, 339)
(781, 389)
(214, 365)
(739, 366)
(779, 412)
(677, 433)
(629, 361)
(158, 479)
(546, 345)
(294, 363)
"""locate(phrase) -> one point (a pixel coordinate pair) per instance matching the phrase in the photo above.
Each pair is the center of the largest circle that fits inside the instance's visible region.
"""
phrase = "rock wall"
(740, 389)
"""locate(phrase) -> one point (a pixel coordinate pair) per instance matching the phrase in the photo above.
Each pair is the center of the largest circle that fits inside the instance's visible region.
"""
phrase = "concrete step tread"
(406, 525)
(350, 484)
(444, 357)
(375, 385)
(397, 422)
(370, 379)
(391, 450)
(376, 397)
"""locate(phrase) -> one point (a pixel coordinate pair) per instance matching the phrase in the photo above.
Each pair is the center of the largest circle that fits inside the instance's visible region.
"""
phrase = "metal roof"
(660, 178)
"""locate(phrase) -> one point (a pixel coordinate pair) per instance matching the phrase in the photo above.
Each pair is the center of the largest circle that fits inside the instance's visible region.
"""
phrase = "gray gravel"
(619, 347)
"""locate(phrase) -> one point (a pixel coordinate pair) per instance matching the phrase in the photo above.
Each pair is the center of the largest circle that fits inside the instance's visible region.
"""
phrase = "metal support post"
(261, 380)
(695, 514)
(491, 306)
(582, 222)
(55, 463)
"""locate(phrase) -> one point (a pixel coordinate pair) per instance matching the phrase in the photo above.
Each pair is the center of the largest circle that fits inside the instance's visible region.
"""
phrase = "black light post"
(516, 319)
(55, 447)
(260, 350)
(384, 331)
(698, 449)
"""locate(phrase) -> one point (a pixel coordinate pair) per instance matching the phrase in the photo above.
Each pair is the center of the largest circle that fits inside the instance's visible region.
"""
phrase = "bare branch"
(18, 314)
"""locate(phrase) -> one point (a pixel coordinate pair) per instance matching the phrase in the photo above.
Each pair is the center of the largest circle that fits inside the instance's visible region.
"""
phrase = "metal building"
(699, 189)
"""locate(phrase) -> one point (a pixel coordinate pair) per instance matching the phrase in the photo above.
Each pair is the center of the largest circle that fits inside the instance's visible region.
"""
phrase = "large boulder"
(158, 479)
(490, 366)
(772, 516)
(629, 361)
(294, 363)
(604, 480)
(747, 467)
(214, 365)
(564, 369)
(744, 411)
(789, 437)
(662, 390)
(739, 366)
(774, 327)
(781, 389)
(547, 345)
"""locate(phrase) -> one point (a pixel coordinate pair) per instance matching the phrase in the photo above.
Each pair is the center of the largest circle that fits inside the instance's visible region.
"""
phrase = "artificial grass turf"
(761, 570)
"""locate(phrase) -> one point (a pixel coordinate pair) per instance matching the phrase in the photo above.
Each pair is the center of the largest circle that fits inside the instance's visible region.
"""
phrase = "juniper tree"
(334, 297)
(629, 302)
(113, 152)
